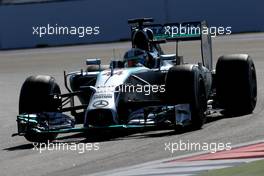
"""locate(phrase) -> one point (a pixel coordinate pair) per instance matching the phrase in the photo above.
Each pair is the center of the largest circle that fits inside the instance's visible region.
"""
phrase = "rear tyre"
(184, 85)
(236, 84)
(35, 98)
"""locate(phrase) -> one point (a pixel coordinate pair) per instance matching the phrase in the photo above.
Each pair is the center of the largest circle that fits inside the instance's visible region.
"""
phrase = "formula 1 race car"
(145, 89)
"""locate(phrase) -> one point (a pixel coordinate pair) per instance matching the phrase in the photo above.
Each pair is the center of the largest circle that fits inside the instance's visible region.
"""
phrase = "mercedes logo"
(100, 103)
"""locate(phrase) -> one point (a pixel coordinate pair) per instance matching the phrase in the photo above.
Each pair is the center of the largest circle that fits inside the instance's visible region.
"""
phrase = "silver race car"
(145, 89)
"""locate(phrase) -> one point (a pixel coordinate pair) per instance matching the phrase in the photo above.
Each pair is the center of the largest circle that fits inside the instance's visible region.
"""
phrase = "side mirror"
(93, 61)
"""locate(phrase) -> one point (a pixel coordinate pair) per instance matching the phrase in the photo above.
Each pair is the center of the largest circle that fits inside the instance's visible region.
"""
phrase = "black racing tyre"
(35, 98)
(94, 68)
(184, 84)
(236, 84)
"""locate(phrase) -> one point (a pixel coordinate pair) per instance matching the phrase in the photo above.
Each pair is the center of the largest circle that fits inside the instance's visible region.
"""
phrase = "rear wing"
(186, 31)
(176, 31)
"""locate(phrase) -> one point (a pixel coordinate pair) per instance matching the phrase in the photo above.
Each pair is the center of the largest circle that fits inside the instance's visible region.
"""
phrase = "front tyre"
(35, 97)
(185, 85)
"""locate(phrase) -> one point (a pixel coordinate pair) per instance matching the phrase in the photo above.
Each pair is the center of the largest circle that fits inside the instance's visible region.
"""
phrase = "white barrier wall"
(16, 21)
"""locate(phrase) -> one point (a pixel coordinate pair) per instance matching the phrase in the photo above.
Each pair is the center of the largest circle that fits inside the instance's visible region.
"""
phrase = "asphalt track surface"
(17, 156)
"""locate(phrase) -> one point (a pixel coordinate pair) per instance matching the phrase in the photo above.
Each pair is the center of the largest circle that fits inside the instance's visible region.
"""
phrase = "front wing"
(54, 122)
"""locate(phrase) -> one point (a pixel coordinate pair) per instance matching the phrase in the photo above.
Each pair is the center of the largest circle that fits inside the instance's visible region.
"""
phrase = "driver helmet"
(135, 58)
(149, 33)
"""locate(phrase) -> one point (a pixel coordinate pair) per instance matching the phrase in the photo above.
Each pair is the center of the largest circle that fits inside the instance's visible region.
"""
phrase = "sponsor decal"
(119, 72)
(100, 103)
(103, 96)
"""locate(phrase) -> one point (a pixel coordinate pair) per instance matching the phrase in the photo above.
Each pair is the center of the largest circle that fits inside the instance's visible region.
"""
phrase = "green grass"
(255, 168)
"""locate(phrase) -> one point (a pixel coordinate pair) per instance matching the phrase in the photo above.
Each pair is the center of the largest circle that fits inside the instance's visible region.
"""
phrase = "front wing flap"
(30, 122)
